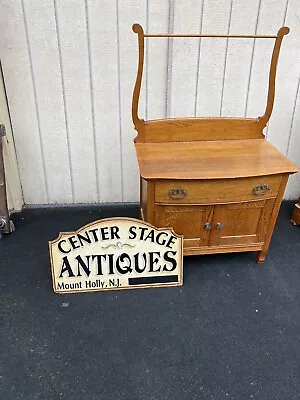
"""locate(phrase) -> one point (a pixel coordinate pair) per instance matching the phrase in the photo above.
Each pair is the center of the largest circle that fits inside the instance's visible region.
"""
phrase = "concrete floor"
(230, 332)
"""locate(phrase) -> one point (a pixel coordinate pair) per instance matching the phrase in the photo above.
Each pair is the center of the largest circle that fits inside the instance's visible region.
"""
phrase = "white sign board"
(116, 253)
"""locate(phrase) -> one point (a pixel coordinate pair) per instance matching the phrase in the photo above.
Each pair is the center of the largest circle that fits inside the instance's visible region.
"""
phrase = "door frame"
(12, 177)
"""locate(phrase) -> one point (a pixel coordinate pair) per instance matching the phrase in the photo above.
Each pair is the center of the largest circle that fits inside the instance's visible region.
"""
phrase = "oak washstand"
(216, 181)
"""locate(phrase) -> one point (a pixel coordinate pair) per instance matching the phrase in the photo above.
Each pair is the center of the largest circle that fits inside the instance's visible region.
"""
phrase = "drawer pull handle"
(177, 194)
(219, 226)
(261, 189)
(207, 227)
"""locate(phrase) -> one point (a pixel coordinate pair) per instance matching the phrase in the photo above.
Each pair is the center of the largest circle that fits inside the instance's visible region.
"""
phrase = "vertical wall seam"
(119, 99)
(169, 59)
(252, 58)
(35, 100)
(88, 33)
(225, 60)
(9, 196)
(198, 60)
(64, 100)
(285, 11)
(293, 117)
(147, 60)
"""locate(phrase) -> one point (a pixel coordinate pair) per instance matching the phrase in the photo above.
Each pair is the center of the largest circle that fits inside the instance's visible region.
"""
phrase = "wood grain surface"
(217, 191)
(193, 129)
(211, 159)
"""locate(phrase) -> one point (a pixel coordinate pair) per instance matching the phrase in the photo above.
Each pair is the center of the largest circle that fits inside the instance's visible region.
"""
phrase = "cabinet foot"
(261, 257)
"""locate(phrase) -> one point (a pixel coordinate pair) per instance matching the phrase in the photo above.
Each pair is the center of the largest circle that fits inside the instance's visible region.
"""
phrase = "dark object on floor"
(231, 332)
(295, 219)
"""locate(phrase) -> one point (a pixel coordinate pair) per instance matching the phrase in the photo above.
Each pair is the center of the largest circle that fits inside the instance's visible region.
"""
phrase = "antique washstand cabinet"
(216, 181)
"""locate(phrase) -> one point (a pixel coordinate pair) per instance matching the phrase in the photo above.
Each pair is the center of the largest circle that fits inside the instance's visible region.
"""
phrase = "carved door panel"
(193, 222)
(242, 223)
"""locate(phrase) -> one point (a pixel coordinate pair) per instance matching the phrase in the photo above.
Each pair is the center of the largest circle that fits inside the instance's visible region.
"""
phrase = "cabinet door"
(189, 221)
(242, 223)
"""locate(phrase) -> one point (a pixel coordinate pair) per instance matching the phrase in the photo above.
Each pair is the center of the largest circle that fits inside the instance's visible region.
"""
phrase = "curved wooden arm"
(284, 30)
(137, 87)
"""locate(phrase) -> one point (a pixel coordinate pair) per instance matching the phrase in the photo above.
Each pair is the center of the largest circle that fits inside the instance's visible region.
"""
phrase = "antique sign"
(116, 253)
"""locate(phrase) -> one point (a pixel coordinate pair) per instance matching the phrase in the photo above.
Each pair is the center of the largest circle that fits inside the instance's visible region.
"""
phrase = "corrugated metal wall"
(69, 68)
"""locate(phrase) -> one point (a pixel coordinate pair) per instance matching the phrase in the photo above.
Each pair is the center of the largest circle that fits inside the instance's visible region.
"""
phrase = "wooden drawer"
(216, 191)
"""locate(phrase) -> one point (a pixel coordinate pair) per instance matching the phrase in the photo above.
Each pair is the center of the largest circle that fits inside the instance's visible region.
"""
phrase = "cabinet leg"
(261, 257)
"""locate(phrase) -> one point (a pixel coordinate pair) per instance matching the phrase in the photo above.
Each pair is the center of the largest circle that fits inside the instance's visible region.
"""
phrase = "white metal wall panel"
(284, 132)
(19, 81)
(129, 12)
(293, 148)
(70, 66)
(288, 77)
(71, 20)
(271, 15)
(210, 75)
(156, 71)
(187, 19)
(238, 58)
(45, 64)
(103, 46)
